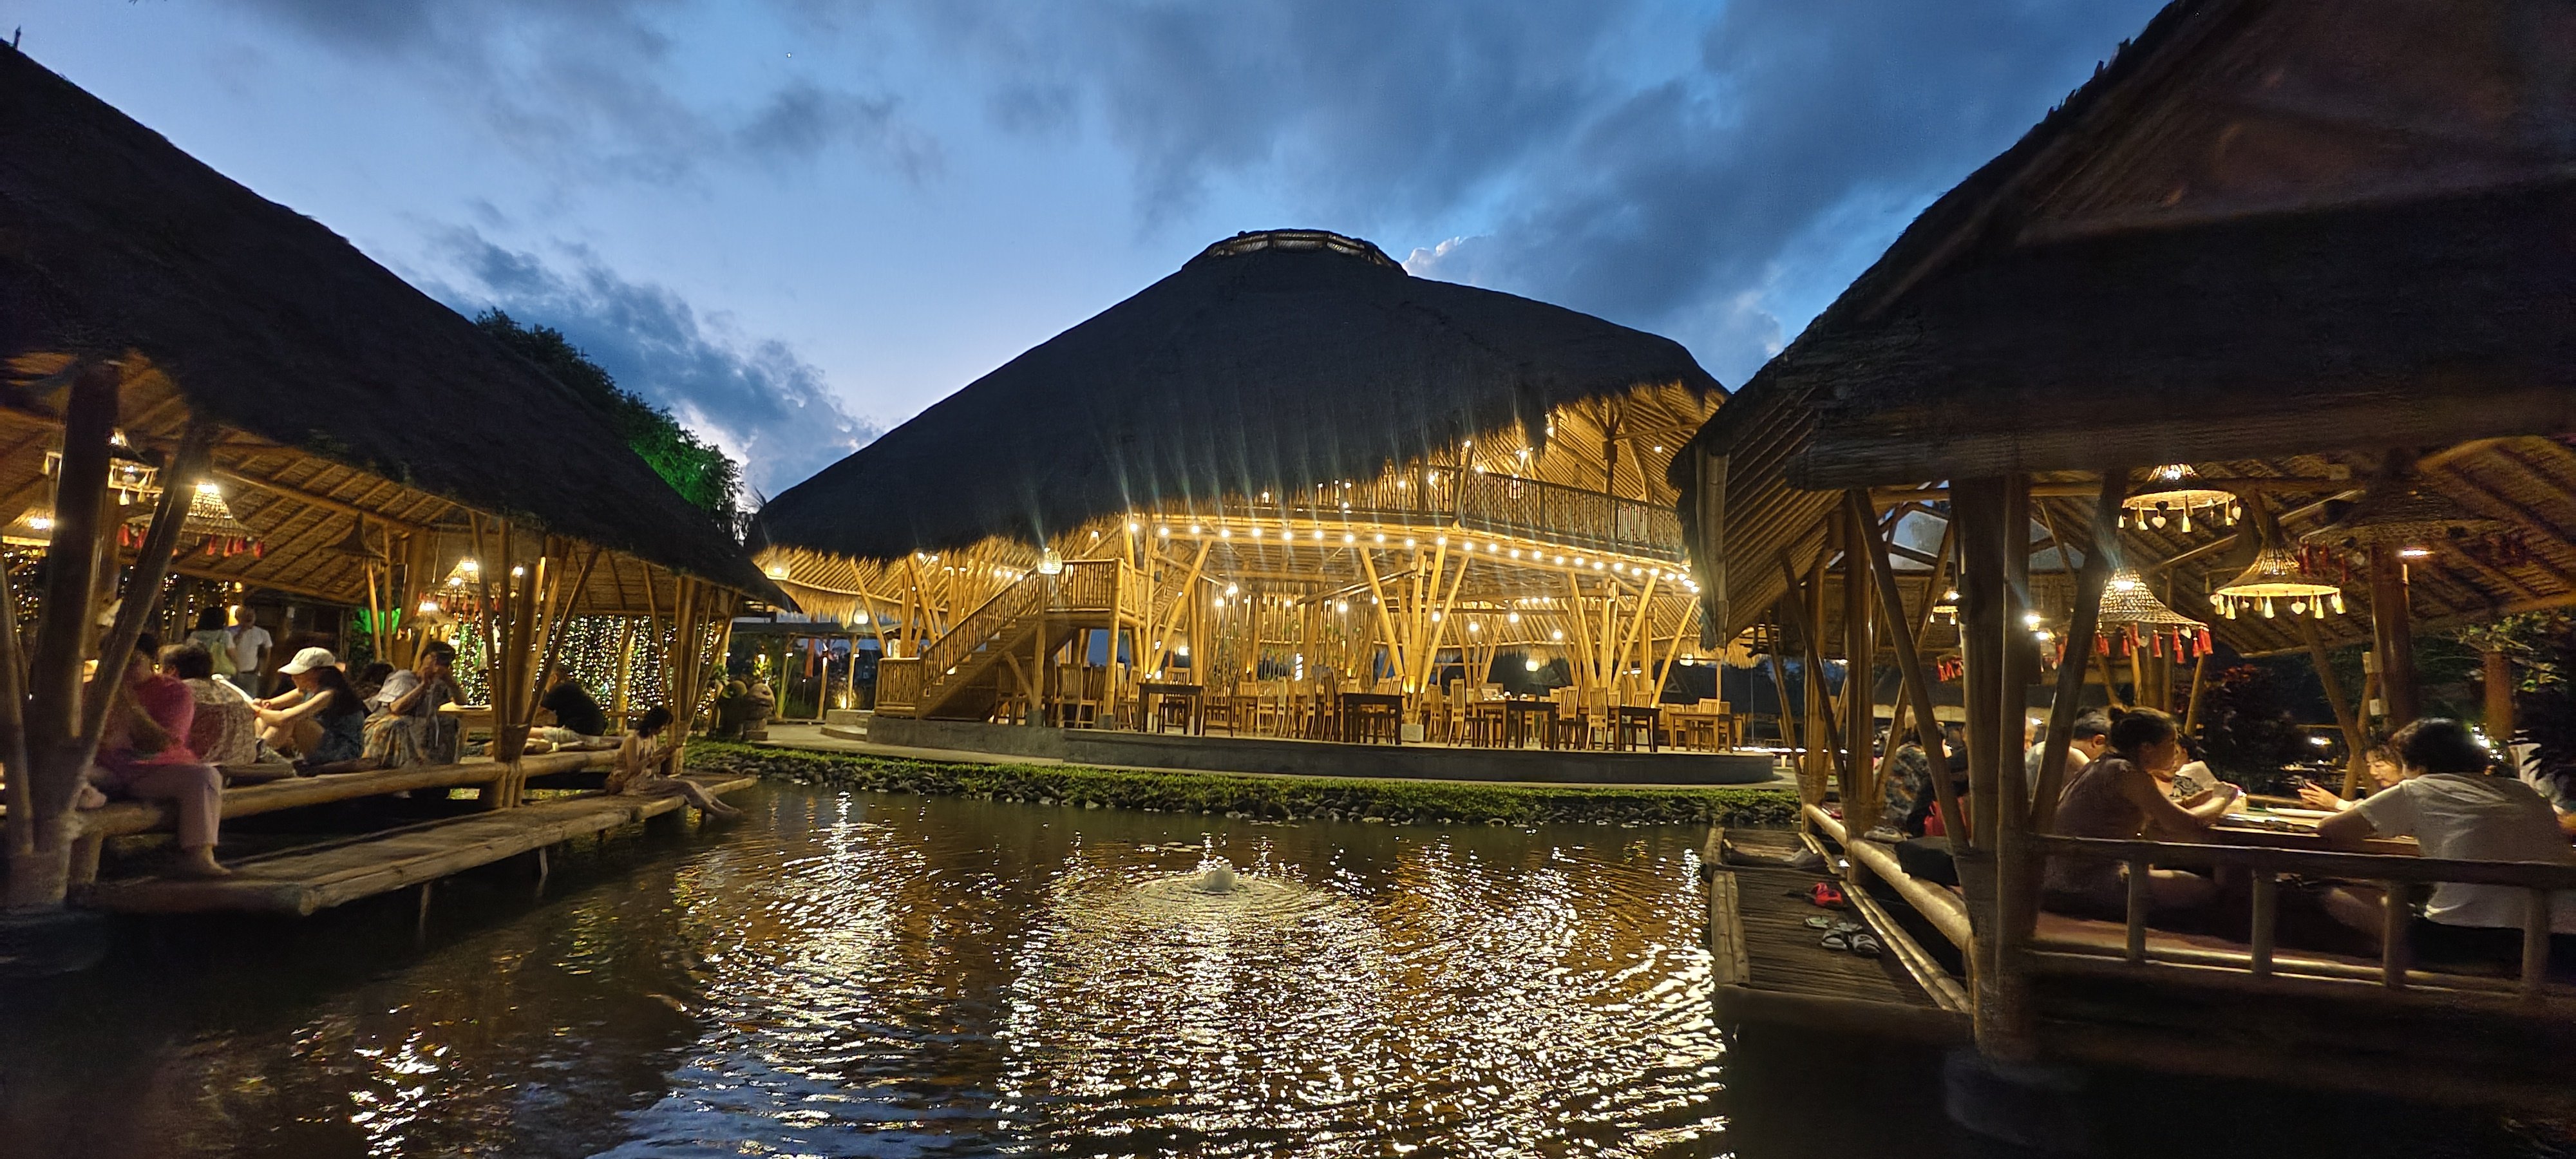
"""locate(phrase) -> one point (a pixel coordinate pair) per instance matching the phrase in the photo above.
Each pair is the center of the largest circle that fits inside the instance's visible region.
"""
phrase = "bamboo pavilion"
(2271, 322)
(1288, 473)
(202, 383)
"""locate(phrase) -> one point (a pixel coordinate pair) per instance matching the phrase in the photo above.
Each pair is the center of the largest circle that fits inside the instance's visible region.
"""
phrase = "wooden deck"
(1769, 965)
(316, 877)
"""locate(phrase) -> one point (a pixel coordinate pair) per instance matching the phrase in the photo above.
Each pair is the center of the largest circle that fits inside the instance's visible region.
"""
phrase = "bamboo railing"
(2396, 874)
(1501, 504)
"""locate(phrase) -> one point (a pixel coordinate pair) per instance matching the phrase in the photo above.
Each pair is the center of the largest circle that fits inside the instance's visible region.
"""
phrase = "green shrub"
(1263, 797)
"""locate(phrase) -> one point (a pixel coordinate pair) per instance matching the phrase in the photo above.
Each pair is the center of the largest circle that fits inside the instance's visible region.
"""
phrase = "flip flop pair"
(1852, 938)
(1826, 894)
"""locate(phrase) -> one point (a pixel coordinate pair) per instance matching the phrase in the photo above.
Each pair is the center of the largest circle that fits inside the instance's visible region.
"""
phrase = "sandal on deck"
(1863, 944)
(1836, 940)
(1826, 894)
(1820, 922)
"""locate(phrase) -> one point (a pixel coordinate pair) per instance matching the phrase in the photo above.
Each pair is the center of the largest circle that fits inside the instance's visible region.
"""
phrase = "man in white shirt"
(249, 645)
(2456, 810)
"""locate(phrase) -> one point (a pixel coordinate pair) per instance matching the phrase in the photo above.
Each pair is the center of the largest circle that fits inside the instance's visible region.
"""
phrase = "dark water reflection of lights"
(859, 974)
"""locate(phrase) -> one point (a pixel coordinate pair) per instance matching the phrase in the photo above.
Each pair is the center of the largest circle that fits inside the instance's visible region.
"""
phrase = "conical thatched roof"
(1279, 359)
(113, 240)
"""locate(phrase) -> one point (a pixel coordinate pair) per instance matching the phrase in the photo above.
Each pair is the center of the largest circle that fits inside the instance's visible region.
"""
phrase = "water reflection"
(843, 974)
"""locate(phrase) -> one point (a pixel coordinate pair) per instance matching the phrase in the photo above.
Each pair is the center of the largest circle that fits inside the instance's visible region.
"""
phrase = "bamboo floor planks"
(305, 880)
(1771, 966)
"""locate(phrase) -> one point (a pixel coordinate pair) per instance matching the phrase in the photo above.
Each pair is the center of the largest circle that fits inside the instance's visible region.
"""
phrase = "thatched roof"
(2266, 230)
(1272, 360)
(113, 241)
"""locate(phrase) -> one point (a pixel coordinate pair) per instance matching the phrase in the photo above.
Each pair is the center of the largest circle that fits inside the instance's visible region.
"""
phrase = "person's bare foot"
(200, 863)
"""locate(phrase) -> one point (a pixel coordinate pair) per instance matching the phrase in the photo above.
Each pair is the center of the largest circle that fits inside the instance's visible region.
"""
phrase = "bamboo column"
(1860, 652)
(2392, 636)
(2080, 632)
(1978, 505)
(2499, 696)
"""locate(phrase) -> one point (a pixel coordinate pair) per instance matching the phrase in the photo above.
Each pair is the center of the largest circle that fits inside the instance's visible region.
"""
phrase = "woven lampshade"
(2174, 497)
(2126, 600)
(2276, 576)
(2401, 512)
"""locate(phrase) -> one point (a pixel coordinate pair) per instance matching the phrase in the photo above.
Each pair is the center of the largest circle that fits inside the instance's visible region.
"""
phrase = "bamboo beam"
(1918, 688)
(2081, 629)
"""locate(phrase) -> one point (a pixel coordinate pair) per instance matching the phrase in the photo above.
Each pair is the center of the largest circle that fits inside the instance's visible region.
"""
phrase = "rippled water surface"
(853, 974)
(861, 974)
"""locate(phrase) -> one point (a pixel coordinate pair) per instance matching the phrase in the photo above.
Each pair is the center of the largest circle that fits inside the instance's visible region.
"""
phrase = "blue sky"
(798, 222)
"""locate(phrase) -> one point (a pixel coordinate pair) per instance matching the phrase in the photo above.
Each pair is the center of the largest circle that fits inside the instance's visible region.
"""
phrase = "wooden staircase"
(999, 646)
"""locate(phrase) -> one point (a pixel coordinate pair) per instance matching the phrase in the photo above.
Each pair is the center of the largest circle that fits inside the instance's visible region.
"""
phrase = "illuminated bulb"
(1135, 527)
(1408, 541)
(1531, 664)
(209, 489)
(1256, 533)
(1319, 535)
(428, 606)
(1516, 553)
(1596, 565)
(1514, 617)
(1163, 531)
(1659, 448)
(1194, 529)
(1442, 541)
(1473, 626)
(1435, 617)
(517, 572)
(2414, 552)
(1560, 560)
(1557, 634)
(1225, 533)
(1230, 589)
(1347, 537)
(2030, 619)
(40, 522)
(1380, 537)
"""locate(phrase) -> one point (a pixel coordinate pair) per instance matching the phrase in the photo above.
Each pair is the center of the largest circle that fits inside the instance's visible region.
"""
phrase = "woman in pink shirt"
(144, 754)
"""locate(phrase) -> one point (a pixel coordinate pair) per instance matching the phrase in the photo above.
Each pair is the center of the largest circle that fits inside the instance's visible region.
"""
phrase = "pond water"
(855, 974)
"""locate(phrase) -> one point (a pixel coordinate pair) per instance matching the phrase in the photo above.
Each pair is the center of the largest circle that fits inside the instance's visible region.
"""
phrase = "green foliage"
(700, 472)
(2544, 712)
(1269, 798)
(2248, 733)
(2533, 640)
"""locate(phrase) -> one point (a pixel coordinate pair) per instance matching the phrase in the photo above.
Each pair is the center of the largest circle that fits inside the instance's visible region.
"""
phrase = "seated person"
(2087, 739)
(2117, 797)
(1905, 794)
(2383, 773)
(403, 726)
(143, 754)
(370, 680)
(2452, 800)
(320, 721)
(647, 766)
(579, 722)
(226, 729)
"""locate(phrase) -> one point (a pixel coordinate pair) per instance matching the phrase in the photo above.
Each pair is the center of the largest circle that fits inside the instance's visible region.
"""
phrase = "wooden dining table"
(2295, 829)
(1148, 692)
(1369, 715)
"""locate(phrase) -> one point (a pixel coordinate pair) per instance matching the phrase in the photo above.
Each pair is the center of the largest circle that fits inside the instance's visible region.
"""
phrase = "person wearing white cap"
(321, 720)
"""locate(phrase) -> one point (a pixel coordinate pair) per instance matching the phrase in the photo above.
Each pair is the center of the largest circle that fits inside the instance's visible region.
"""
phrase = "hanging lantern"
(2400, 511)
(33, 529)
(2277, 580)
(2132, 617)
(209, 520)
(2175, 498)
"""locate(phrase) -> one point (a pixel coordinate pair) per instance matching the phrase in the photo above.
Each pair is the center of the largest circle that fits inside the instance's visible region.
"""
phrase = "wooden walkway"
(1771, 966)
(316, 877)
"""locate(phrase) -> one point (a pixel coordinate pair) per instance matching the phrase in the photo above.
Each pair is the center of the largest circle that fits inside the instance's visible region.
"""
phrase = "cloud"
(1715, 174)
(756, 398)
(602, 87)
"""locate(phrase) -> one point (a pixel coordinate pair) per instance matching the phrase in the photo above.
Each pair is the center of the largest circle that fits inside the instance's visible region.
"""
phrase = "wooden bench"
(316, 877)
(128, 818)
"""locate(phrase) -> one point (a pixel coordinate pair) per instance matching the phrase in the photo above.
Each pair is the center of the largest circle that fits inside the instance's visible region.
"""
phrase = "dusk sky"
(799, 222)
